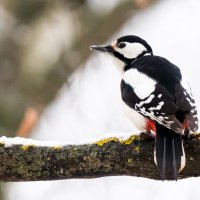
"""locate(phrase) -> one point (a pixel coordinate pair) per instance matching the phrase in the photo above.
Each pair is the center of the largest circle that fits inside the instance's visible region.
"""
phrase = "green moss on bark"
(103, 158)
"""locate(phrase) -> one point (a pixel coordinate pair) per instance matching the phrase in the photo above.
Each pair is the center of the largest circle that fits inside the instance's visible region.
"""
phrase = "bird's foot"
(186, 134)
(147, 135)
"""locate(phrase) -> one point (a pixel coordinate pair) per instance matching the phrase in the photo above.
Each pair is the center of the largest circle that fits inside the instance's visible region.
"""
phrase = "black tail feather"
(175, 174)
(163, 171)
(168, 152)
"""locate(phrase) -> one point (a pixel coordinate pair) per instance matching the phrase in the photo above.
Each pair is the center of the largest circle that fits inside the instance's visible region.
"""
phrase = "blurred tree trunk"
(19, 90)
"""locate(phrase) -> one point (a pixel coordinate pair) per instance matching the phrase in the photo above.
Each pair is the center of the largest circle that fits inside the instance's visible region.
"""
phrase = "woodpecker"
(157, 99)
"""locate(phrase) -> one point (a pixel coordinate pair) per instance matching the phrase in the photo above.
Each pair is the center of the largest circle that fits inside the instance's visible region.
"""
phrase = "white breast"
(142, 85)
(138, 120)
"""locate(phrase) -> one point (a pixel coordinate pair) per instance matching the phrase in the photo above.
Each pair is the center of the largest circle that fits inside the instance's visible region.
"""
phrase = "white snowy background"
(91, 108)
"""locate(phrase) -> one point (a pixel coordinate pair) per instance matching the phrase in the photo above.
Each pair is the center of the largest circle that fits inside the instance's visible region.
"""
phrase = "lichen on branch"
(31, 160)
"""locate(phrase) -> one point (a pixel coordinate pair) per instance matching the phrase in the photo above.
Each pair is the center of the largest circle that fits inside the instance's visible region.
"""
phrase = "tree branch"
(28, 161)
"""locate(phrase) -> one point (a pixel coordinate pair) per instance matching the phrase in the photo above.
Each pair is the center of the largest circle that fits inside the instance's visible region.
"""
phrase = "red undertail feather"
(150, 126)
(185, 124)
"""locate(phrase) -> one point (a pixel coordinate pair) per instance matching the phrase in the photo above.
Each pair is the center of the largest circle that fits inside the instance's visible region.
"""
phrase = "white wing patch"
(146, 101)
(158, 107)
(142, 85)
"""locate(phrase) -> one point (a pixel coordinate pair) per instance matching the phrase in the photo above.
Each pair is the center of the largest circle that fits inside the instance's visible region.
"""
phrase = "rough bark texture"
(107, 157)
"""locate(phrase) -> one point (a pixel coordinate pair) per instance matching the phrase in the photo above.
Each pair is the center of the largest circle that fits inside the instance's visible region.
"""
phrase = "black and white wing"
(152, 100)
(186, 103)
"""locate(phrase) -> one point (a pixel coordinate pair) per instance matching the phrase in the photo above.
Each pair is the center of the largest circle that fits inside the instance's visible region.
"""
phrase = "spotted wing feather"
(159, 106)
(186, 103)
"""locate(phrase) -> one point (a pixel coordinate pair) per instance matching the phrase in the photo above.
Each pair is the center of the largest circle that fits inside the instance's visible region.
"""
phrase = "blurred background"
(53, 88)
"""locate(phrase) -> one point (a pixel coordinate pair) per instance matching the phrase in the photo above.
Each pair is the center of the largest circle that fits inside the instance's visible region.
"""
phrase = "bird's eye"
(121, 45)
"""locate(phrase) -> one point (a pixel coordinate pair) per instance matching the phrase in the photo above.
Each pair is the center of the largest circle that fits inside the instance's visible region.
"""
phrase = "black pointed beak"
(102, 48)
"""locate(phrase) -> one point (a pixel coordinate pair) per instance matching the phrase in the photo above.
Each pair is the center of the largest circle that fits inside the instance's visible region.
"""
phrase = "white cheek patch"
(131, 50)
(142, 85)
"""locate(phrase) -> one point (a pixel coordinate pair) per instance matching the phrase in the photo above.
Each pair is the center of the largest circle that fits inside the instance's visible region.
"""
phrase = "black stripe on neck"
(129, 66)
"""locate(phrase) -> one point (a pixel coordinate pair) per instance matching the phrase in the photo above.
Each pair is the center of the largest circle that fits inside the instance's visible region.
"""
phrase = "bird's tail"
(169, 152)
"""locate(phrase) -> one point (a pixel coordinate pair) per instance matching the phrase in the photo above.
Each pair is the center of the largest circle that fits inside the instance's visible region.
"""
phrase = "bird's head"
(126, 48)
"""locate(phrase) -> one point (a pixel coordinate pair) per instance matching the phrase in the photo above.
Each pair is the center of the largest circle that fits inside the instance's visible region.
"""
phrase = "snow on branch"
(29, 160)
